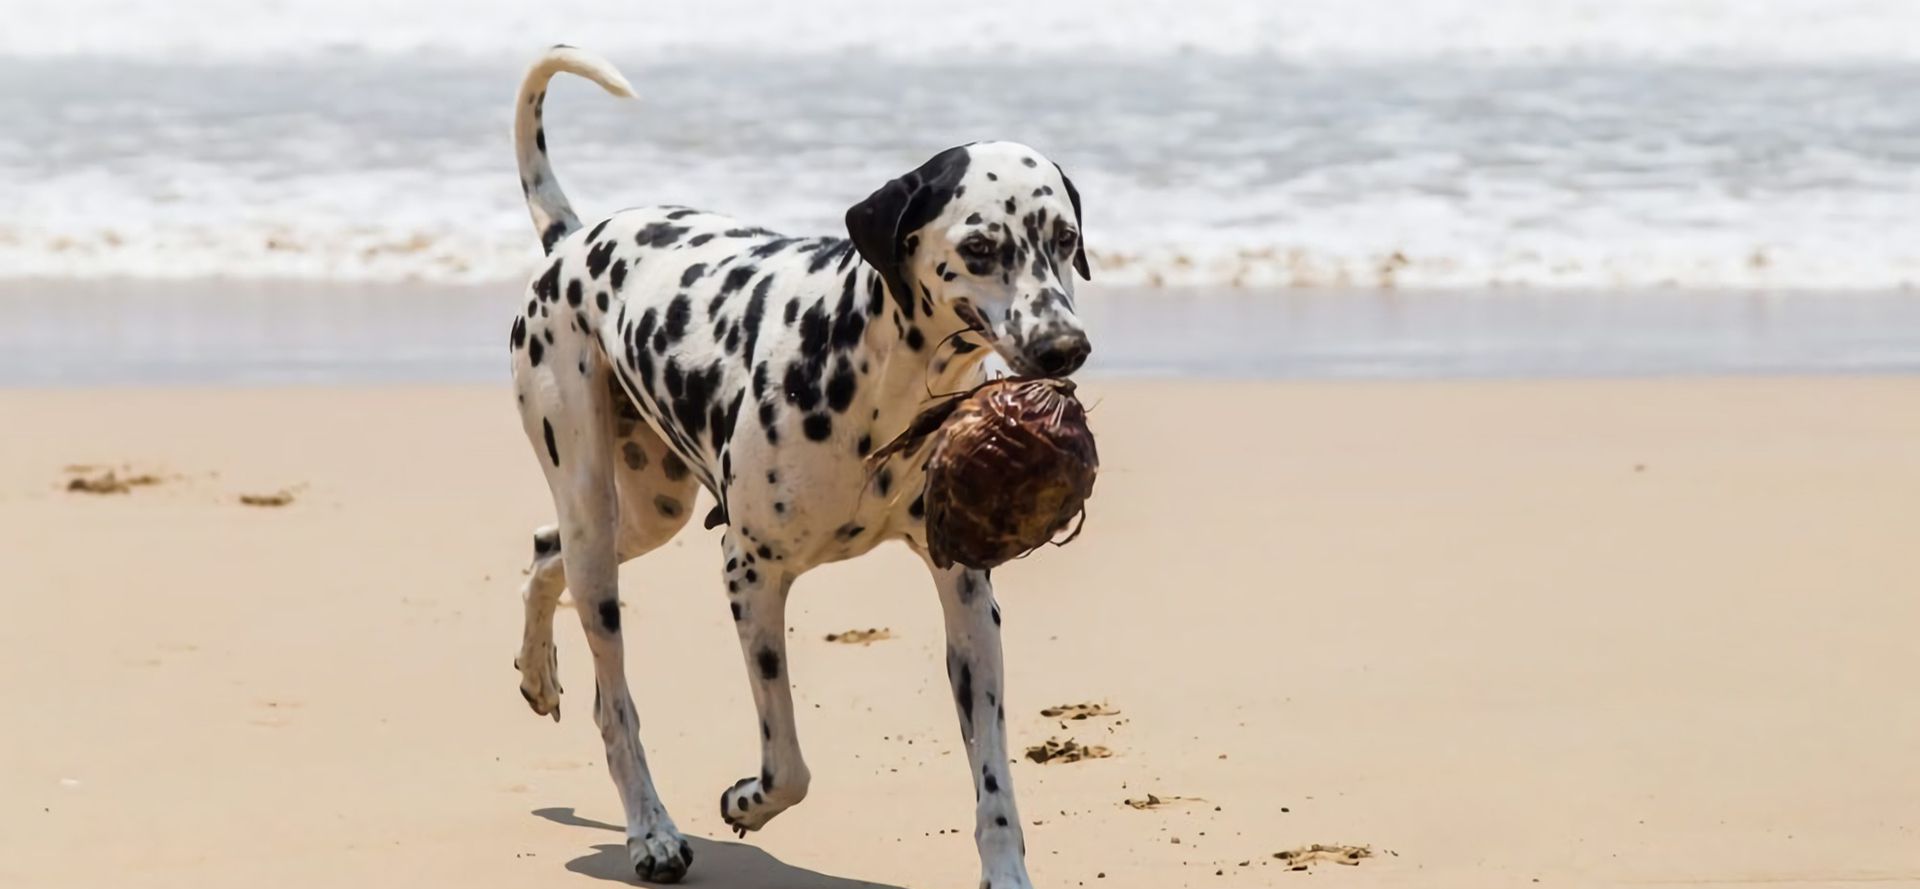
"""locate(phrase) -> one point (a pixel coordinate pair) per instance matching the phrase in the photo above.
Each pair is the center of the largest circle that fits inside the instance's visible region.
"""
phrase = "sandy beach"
(1651, 632)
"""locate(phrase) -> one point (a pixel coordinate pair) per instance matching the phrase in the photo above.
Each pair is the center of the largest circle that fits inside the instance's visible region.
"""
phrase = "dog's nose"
(1062, 355)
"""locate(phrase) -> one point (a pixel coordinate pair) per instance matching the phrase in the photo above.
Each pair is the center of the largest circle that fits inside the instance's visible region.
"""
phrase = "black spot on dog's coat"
(963, 693)
(547, 286)
(679, 313)
(674, 467)
(802, 385)
(825, 256)
(736, 279)
(598, 258)
(610, 615)
(553, 452)
(756, 312)
(659, 234)
(770, 248)
(636, 458)
(840, 388)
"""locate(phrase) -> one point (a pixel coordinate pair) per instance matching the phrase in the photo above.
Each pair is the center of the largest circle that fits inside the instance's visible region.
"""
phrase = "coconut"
(1012, 464)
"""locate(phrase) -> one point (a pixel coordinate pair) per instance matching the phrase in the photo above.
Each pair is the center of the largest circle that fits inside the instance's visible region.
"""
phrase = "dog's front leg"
(974, 668)
(757, 594)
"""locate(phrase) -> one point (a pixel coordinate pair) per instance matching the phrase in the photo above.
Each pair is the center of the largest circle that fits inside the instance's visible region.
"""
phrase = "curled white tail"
(552, 215)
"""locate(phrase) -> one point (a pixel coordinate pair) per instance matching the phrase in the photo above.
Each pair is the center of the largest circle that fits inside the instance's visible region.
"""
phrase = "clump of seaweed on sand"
(861, 637)
(1069, 750)
(108, 480)
(1338, 853)
(1079, 711)
(279, 498)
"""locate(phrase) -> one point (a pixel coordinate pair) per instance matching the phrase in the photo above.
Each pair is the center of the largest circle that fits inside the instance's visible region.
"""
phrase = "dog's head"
(984, 233)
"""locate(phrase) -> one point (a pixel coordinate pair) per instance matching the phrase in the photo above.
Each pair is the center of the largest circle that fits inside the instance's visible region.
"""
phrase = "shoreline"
(86, 333)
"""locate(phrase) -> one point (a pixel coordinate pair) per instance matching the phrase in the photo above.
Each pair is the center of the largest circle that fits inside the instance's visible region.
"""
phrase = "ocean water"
(1570, 145)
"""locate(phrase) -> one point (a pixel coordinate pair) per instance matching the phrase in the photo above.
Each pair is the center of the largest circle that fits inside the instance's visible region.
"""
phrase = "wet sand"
(104, 333)
(1589, 633)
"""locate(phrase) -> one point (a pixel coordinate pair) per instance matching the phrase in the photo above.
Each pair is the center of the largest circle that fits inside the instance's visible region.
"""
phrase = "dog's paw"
(540, 680)
(745, 806)
(661, 856)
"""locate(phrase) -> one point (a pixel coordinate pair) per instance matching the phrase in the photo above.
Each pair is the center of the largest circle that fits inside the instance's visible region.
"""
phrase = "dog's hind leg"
(570, 419)
(974, 668)
(538, 661)
(656, 492)
(757, 593)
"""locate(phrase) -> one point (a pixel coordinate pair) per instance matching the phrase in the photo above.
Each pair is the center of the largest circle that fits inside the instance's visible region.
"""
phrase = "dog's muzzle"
(1061, 355)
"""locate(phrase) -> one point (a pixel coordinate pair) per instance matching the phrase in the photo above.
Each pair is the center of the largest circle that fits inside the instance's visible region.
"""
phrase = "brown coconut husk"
(1012, 465)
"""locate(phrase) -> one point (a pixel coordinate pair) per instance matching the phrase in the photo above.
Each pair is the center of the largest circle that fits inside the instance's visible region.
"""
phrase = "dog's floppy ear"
(873, 224)
(879, 225)
(1079, 248)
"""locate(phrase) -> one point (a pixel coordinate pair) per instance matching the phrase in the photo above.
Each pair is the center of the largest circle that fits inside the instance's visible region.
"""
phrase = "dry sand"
(1589, 633)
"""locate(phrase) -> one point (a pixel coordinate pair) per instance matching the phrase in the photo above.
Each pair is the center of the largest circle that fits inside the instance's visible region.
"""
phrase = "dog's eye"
(1066, 239)
(977, 247)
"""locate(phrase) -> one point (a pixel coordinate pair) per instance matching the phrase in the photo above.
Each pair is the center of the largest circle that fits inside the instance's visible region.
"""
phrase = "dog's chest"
(820, 505)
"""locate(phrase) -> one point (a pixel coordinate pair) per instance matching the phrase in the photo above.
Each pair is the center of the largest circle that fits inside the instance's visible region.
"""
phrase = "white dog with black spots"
(664, 350)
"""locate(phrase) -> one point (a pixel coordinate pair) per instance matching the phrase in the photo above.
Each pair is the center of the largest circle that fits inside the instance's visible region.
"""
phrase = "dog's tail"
(552, 215)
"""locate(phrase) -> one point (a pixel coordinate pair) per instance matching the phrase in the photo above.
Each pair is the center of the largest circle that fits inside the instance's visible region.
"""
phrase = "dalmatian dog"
(666, 350)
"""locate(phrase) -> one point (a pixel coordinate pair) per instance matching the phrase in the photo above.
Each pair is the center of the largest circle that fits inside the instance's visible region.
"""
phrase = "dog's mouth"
(1016, 357)
(1021, 365)
(1058, 356)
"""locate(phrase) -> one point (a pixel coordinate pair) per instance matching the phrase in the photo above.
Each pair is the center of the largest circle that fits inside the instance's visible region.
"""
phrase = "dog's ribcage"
(762, 360)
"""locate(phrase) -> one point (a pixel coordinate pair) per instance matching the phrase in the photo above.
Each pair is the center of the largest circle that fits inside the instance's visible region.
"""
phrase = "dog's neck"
(904, 378)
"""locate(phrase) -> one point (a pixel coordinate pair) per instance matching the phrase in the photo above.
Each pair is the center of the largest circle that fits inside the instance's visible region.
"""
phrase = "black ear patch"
(1080, 248)
(879, 225)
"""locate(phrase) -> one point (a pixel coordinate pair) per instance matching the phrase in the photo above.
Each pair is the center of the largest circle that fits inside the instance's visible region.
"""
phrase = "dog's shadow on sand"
(720, 865)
